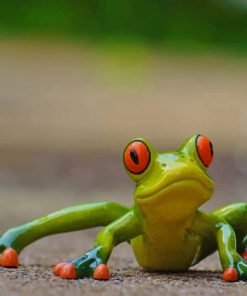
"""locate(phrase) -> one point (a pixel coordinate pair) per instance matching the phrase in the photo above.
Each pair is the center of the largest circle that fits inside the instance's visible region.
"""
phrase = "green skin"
(164, 226)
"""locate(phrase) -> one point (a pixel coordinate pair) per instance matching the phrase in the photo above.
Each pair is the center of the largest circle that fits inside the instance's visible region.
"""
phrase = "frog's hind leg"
(78, 217)
(236, 215)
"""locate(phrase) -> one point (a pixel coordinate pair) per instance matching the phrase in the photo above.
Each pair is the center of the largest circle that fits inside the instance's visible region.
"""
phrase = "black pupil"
(134, 156)
(211, 149)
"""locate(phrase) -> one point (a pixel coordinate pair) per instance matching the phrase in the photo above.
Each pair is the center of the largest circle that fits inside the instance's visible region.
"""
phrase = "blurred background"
(79, 79)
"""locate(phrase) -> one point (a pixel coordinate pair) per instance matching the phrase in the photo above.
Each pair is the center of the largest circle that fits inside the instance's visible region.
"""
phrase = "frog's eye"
(205, 150)
(137, 157)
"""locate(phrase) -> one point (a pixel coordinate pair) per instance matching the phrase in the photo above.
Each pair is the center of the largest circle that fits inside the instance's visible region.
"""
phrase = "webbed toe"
(230, 275)
(57, 268)
(68, 271)
(101, 272)
(9, 258)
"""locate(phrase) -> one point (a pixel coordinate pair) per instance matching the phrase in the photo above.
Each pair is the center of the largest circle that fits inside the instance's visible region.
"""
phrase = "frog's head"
(170, 185)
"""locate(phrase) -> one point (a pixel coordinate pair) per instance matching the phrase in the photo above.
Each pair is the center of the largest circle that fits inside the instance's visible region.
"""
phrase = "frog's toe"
(57, 268)
(230, 275)
(9, 258)
(244, 255)
(68, 271)
(101, 272)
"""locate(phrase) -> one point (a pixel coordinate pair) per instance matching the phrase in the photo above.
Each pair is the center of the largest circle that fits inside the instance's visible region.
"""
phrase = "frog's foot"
(57, 268)
(89, 265)
(68, 271)
(9, 258)
(236, 272)
(65, 270)
(101, 272)
(230, 274)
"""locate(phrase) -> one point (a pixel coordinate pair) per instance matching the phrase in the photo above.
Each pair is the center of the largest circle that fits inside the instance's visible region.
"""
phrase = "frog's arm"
(123, 229)
(232, 263)
(73, 218)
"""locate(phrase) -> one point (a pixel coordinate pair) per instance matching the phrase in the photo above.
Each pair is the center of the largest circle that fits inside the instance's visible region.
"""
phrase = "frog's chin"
(179, 197)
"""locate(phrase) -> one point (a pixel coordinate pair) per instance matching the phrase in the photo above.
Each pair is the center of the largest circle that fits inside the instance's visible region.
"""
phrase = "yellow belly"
(166, 248)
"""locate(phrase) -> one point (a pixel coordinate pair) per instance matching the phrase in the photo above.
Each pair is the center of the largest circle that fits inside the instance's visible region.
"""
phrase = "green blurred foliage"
(173, 23)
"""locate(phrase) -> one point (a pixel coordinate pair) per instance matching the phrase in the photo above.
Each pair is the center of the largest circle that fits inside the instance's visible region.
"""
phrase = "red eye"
(205, 150)
(136, 157)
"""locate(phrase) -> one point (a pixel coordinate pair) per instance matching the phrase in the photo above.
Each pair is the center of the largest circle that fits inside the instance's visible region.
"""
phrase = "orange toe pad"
(57, 268)
(68, 271)
(230, 275)
(101, 272)
(9, 258)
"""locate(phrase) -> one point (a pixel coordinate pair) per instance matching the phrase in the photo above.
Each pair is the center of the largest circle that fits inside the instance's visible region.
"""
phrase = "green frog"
(164, 226)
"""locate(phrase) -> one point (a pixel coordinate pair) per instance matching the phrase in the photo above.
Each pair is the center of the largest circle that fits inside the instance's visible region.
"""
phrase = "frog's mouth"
(201, 187)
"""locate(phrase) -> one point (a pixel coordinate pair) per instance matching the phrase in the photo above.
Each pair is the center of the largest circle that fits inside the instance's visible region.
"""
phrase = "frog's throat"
(206, 186)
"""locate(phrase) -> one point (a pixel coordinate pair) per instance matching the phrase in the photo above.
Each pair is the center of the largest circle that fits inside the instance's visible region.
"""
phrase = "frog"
(165, 226)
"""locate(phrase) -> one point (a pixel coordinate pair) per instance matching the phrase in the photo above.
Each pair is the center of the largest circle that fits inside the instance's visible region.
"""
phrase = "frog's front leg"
(230, 218)
(77, 217)
(234, 266)
(93, 263)
(217, 231)
(226, 241)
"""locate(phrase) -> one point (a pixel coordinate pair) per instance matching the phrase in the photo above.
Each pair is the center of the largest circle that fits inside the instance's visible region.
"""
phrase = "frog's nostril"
(164, 165)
